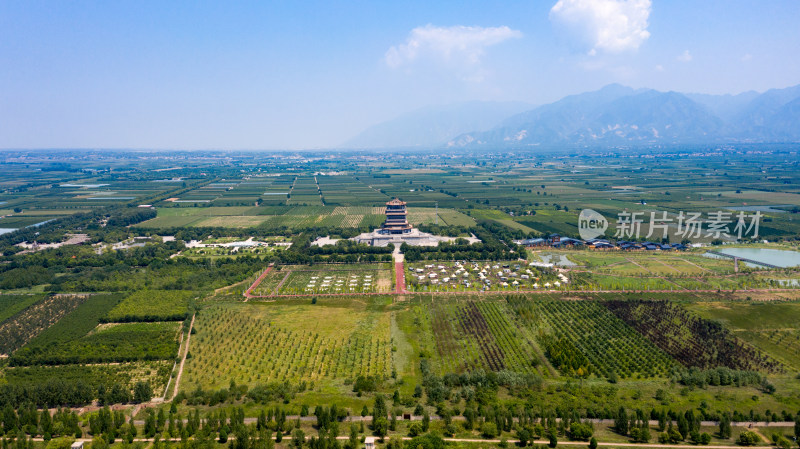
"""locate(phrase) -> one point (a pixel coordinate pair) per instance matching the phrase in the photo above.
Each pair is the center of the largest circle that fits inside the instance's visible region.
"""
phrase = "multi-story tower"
(396, 218)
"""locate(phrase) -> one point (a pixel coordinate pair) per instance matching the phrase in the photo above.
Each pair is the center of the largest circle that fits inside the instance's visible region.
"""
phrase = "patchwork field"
(296, 217)
(551, 335)
(60, 337)
(503, 339)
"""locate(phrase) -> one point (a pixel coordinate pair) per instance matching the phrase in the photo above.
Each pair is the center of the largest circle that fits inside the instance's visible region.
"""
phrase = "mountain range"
(612, 116)
(435, 125)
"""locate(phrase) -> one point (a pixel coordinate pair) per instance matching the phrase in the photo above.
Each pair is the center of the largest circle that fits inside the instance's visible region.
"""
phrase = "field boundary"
(183, 359)
(249, 291)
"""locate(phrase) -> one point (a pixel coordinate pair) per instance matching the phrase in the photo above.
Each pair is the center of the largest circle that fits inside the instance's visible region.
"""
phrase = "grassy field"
(651, 270)
(649, 263)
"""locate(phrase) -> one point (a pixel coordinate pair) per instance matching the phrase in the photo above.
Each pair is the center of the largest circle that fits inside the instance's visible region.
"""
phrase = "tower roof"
(396, 202)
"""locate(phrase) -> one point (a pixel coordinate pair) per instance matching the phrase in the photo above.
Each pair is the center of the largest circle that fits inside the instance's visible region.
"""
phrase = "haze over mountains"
(433, 126)
(614, 115)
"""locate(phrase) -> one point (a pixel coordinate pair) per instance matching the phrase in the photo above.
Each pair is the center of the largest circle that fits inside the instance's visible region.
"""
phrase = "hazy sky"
(295, 74)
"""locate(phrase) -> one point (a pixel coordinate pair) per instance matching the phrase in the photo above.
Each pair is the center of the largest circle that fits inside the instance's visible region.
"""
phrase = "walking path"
(399, 272)
(183, 360)
(249, 292)
(280, 284)
(540, 291)
(400, 278)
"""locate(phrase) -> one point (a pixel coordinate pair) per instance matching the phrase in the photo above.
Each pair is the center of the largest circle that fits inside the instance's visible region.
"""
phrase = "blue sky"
(295, 74)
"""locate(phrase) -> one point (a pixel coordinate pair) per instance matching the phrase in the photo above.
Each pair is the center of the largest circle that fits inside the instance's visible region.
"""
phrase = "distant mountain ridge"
(435, 126)
(619, 115)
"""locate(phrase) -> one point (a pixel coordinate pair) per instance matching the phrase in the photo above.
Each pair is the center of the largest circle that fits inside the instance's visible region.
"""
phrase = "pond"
(788, 282)
(87, 186)
(777, 257)
(110, 198)
(6, 230)
(773, 208)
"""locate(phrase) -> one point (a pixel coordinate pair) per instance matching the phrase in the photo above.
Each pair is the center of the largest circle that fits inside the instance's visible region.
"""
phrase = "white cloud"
(659, 68)
(605, 25)
(459, 44)
(685, 56)
(747, 57)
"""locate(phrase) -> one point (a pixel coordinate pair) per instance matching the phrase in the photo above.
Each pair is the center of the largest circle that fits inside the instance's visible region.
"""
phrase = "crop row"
(156, 372)
(583, 338)
(478, 336)
(691, 340)
(247, 349)
(126, 342)
(22, 327)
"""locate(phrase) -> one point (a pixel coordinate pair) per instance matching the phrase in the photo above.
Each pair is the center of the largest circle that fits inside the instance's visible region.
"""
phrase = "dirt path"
(540, 291)
(692, 263)
(280, 284)
(183, 360)
(761, 435)
(249, 292)
(668, 266)
(400, 278)
(321, 198)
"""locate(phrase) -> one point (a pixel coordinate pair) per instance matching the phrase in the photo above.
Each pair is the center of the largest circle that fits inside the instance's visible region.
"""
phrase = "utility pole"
(437, 213)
